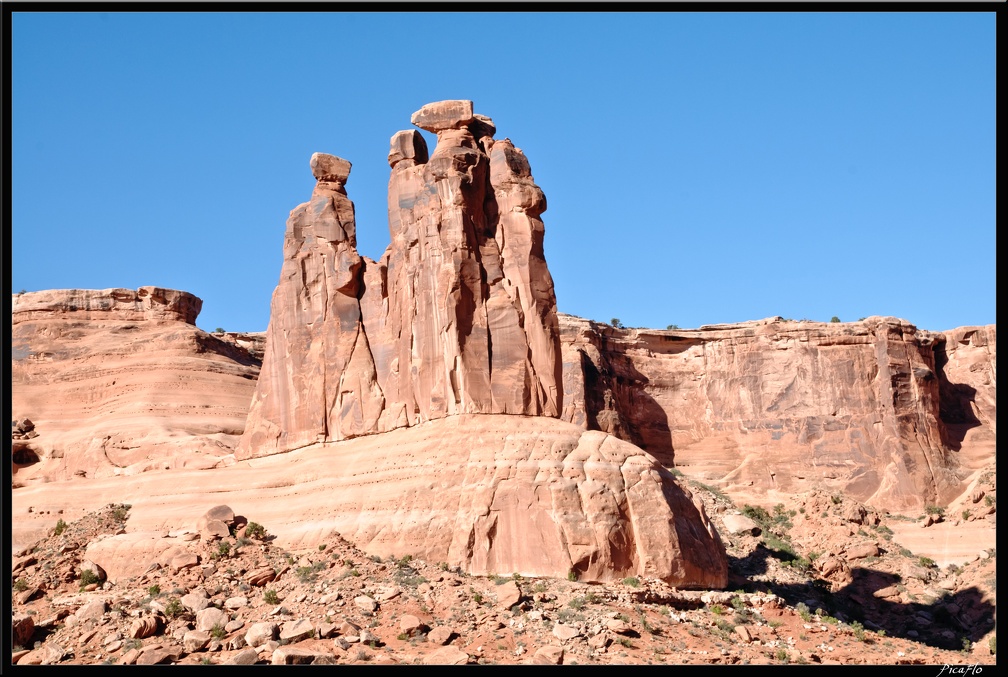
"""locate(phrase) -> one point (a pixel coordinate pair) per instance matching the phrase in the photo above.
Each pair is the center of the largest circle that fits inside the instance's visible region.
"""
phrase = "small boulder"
(24, 628)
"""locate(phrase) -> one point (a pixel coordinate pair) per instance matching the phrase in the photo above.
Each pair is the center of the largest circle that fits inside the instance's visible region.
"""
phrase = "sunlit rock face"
(458, 316)
(885, 412)
(121, 381)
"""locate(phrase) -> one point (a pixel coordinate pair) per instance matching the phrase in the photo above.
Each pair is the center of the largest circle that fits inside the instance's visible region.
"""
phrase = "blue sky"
(699, 167)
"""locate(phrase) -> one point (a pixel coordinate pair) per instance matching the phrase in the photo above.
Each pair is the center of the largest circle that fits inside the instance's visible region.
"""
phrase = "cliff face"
(875, 408)
(118, 381)
(458, 316)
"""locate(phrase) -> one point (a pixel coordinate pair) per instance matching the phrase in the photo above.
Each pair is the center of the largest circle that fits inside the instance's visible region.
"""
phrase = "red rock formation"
(776, 405)
(458, 316)
(488, 493)
(118, 381)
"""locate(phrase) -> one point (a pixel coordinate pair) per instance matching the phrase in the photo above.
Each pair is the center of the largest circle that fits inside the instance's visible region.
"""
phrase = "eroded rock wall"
(776, 405)
(458, 316)
(118, 381)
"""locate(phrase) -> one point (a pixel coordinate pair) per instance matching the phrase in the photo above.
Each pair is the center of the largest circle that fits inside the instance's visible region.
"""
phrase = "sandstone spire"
(458, 316)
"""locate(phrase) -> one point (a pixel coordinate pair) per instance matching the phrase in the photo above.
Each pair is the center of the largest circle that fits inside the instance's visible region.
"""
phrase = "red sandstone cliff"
(887, 413)
(118, 381)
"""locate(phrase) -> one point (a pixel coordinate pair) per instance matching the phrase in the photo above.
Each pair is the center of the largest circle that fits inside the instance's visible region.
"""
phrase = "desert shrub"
(803, 611)
(672, 326)
(270, 597)
(965, 515)
(174, 608)
(926, 562)
(837, 499)
(223, 550)
(60, 527)
(781, 655)
(539, 587)
(632, 581)
(934, 510)
(120, 512)
(572, 575)
(616, 323)
(20, 585)
(88, 577)
(310, 573)
(154, 590)
(834, 319)
(717, 609)
(219, 330)
(321, 547)
(217, 631)
(756, 514)
(859, 632)
(992, 645)
(255, 530)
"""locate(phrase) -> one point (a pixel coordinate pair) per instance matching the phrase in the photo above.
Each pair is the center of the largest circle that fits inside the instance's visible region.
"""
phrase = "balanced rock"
(442, 115)
(327, 167)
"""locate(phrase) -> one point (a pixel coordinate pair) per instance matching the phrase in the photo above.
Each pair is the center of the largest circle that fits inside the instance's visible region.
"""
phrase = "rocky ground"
(819, 581)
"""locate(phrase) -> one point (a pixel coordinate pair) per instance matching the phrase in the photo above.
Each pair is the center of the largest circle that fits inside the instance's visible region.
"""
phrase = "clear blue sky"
(698, 167)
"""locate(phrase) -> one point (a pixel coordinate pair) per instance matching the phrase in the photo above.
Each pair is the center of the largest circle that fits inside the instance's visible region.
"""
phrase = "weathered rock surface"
(118, 381)
(458, 316)
(784, 406)
(540, 498)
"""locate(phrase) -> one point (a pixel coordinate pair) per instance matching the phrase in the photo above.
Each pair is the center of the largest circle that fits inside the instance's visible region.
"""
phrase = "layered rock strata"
(118, 381)
(458, 316)
(475, 491)
(770, 405)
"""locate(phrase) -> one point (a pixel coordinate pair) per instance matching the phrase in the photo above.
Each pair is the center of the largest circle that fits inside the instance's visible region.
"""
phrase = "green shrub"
(88, 577)
(223, 549)
(572, 575)
(632, 581)
(834, 319)
(270, 597)
(20, 585)
(120, 512)
(60, 527)
(859, 632)
(154, 590)
(255, 530)
(837, 499)
(934, 510)
(310, 573)
(926, 562)
(992, 645)
(803, 611)
(174, 608)
(756, 513)
(965, 515)
(217, 631)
